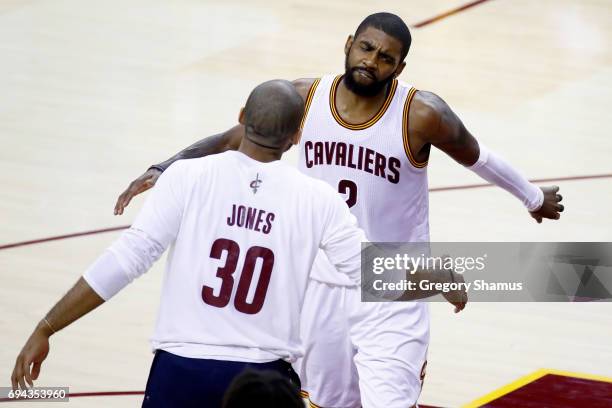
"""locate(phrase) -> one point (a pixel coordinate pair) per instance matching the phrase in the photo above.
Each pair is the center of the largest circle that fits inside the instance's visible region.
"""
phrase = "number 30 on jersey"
(226, 274)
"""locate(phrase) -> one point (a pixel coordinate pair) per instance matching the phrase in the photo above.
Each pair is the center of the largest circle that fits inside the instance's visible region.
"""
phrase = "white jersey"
(370, 164)
(243, 236)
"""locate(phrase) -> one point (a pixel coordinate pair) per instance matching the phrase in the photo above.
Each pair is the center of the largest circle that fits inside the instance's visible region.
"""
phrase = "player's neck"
(348, 101)
(259, 153)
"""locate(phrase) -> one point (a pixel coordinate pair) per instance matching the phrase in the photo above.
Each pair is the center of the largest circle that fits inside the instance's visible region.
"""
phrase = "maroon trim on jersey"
(358, 126)
(405, 134)
(309, 98)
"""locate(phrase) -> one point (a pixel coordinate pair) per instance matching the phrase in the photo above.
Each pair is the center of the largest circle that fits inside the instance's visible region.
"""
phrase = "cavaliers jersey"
(370, 164)
(243, 236)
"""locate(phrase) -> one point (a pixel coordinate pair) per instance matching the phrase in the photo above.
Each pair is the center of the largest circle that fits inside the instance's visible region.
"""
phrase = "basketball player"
(244, 229)
(223, 216)
(369, 136)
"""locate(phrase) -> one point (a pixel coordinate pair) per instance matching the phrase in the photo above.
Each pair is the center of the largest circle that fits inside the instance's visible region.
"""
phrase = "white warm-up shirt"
(243, 236)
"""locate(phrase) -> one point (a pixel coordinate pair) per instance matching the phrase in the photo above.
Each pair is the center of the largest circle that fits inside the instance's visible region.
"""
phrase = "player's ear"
(241, 116)
(400, 68)
(349, 43)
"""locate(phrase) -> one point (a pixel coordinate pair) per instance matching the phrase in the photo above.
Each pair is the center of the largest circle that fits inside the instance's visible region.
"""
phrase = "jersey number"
(226, 274)
(349, 188)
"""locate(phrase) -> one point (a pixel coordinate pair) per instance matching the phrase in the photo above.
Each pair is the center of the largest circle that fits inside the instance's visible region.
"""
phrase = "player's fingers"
(36, 370)
(118, 207)
(14, 379)
(127, 197)
(559, 197)
(20, 376)
(555, 189)
(26, 373)
(122, 198)
(17, 370)
(560, 207)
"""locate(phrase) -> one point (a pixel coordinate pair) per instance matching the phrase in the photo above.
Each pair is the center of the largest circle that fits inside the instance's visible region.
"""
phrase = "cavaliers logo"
(255, 184)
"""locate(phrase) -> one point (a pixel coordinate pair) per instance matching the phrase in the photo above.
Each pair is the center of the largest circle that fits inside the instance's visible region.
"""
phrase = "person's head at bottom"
(271, 117)
(262, 388)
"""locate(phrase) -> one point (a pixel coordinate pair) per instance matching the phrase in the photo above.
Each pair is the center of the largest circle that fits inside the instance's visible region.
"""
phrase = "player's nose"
(370, 65)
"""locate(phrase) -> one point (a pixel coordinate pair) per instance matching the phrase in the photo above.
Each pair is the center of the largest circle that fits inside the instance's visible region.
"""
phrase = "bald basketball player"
(369, 136)
(244, 229)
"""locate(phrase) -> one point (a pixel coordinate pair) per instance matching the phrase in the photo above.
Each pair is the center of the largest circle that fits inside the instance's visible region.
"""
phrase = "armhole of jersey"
(308, 101)
(405, 135)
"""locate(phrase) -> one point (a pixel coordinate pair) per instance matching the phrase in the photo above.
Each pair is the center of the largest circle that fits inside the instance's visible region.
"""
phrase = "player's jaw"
(365, 81)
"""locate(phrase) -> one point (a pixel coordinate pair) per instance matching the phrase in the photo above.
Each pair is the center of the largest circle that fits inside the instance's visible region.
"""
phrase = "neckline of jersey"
(243, 157)
(371, 121)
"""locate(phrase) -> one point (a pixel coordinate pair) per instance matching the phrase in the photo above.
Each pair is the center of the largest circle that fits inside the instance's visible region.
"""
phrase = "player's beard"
(363, 90)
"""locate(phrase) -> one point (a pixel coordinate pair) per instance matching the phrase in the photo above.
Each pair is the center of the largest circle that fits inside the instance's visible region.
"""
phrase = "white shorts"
(378, 348)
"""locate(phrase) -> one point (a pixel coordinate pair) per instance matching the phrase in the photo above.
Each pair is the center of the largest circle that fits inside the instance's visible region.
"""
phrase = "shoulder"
(427, 110)
(303, 86)
(431, 115)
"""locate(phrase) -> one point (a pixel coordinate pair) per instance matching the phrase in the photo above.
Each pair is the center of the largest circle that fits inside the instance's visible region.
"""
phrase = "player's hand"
(457, 298)
(551, 207)
(29, 360)
(140, 185)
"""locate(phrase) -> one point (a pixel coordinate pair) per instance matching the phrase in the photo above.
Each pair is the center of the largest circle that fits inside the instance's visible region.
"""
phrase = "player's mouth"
(365, 74)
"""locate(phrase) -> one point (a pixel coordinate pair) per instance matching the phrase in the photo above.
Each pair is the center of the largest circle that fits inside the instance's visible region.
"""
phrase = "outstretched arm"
(80, 300)
(155, 228)
(219, 143)
(435, 123)
(342, 243)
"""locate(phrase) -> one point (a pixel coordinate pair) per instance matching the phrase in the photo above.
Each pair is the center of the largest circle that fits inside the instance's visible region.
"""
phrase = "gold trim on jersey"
(308, 101)
(313, 405)
(305, 395)
(358, 126)
(409, 154)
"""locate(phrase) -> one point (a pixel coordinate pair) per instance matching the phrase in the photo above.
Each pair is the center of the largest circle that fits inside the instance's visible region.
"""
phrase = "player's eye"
(387, 59)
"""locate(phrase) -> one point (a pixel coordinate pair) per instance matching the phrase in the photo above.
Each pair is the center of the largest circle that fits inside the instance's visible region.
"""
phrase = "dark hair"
(262, 388)
(390, 24)
(273, 112)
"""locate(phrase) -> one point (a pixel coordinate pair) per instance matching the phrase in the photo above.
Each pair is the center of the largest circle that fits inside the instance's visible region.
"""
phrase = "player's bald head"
(273, 112)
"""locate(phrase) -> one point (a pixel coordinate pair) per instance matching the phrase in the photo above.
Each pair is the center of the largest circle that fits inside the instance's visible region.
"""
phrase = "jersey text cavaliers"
(355, 157)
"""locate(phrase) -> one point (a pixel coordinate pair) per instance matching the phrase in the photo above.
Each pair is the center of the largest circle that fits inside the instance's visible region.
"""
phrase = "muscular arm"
(432, 122)
(228, 140)
(80, 300)
(155, 228)
(219, 143)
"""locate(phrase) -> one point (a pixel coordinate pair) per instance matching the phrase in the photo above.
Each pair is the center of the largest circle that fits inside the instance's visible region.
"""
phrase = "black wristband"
(156, 167)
